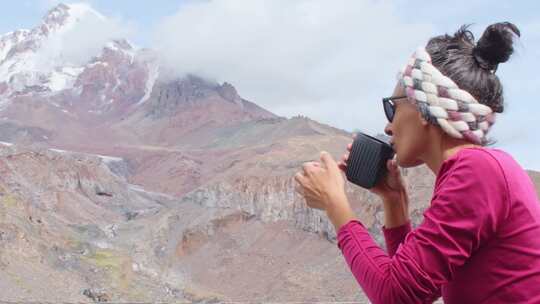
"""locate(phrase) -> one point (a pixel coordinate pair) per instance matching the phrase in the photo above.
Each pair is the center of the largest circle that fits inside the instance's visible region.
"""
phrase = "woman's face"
(409, 131)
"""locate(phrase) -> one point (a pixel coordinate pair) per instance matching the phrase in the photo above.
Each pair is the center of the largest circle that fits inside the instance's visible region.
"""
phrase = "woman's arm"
(341, 212)
(396, 211)
(393, 192)
(464, 212)
(396, 222)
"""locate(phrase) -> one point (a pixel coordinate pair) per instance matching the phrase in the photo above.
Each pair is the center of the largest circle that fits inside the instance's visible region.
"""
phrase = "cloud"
(47, 4)
(77, 43)
(330, 60)
(334, 60)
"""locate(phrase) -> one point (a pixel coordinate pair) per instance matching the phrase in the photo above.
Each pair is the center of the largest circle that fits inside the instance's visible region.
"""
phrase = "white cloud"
(84, 38)
(47, 4)
(333, 60)
(330, 60)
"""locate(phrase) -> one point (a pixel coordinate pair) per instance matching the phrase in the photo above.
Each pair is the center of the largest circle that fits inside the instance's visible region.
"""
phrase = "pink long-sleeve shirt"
(479, 241)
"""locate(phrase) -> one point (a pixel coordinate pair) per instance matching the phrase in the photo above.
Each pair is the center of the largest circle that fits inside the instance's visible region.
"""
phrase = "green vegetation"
(115, 264)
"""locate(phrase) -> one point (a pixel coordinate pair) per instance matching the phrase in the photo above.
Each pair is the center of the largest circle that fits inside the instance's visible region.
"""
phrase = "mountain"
(27, 61)
(121, 182)
(50, 97)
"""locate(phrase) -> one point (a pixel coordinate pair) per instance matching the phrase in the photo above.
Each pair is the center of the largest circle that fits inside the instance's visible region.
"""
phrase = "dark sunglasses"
(390, 106)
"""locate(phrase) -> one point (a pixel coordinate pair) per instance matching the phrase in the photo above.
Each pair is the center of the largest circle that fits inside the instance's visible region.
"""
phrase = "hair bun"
(496, 45)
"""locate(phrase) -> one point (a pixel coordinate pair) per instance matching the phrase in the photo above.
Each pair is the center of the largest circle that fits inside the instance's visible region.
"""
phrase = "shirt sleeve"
(463, 214)
(394, 236)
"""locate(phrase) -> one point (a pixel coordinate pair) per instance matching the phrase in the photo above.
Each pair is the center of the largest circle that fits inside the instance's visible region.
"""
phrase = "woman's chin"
(405, 162)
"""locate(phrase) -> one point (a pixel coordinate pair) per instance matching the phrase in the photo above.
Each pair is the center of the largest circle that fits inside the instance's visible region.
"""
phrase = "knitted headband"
(456, 111)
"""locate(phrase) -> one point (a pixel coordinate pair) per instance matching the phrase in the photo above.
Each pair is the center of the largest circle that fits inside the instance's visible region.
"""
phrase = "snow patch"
(64, 78)
(5, 48)
(153, 73)
(59, 151)
(152, 193)
(8, 40)
(114, 46)
(6, 144)
(110, 159)
(137, 188)
(105, 158)
(102, 245)
(92, 64)
(72, 71)
(59, 81)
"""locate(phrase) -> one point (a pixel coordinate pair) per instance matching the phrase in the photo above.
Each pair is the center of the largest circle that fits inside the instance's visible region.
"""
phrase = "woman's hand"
(323, 187)
(392, 189)
(321, 184)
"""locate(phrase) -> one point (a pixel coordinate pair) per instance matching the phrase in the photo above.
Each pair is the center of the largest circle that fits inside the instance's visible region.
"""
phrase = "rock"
(96, 296)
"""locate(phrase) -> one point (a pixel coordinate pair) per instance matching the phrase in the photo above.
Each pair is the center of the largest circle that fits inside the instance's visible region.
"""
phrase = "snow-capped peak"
(76, 53)
(63, 16)
(47, 38)
(52, 55)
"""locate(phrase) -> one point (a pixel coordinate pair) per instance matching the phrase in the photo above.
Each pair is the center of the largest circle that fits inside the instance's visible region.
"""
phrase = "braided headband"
(456, 111)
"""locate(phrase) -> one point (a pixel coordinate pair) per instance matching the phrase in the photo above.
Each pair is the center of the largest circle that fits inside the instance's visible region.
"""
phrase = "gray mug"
(367, 160)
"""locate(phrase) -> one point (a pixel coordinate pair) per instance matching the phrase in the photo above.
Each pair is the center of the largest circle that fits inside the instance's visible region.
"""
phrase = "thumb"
(393, 168)
(394, 172)
(329, 161)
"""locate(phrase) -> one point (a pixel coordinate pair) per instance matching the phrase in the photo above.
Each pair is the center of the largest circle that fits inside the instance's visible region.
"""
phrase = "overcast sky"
(331, 60)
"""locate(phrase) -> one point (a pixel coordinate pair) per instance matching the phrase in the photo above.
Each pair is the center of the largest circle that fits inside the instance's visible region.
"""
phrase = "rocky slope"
(59, 215)
(67, 216)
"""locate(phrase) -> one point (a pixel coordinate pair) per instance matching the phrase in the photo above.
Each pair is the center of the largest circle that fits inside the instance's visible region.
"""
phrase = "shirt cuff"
(345, 231)
(347, 225)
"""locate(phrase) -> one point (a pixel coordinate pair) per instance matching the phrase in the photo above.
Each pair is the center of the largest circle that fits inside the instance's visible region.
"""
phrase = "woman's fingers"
(345, 157)
(300, 178)
(395, 179)
(299, 189)
(342, 166)
(343, 163)
(309, 166)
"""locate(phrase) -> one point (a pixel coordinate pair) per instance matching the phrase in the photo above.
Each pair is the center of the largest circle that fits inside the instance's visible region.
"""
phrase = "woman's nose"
(388, 129)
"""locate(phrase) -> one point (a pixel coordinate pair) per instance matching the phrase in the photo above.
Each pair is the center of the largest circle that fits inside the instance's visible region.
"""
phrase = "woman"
(479, 241)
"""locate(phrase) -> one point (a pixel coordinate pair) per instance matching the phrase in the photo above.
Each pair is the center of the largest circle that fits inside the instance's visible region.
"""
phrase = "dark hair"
(472, 66)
